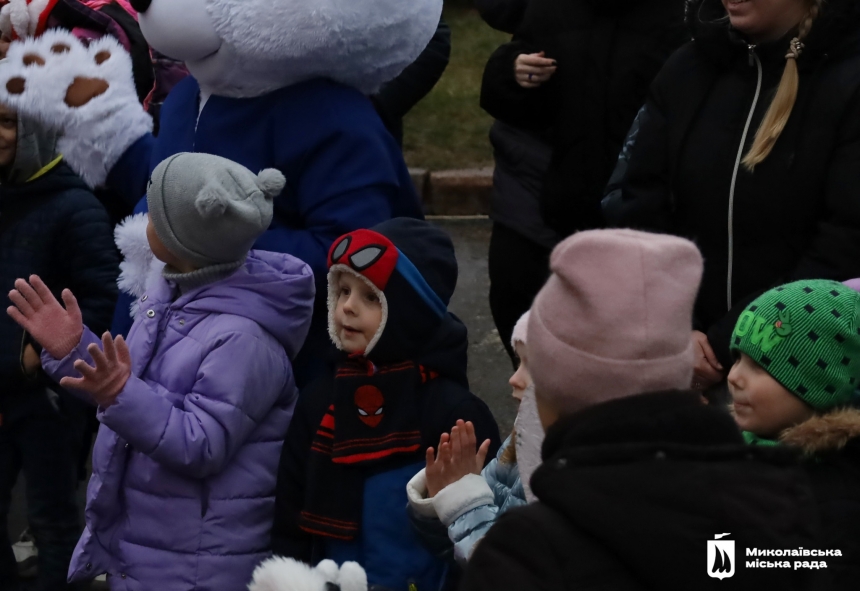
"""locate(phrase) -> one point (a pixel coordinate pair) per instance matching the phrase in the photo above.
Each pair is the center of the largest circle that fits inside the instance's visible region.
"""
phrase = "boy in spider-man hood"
(357, 437)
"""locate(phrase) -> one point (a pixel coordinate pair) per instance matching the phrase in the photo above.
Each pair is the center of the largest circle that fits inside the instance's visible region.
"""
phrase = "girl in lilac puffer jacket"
(194, 408)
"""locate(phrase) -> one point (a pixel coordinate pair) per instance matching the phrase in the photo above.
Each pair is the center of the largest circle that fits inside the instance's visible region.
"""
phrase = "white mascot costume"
(275, 84)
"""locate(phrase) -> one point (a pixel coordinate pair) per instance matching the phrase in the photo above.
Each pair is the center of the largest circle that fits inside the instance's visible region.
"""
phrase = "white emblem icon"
(721, 557)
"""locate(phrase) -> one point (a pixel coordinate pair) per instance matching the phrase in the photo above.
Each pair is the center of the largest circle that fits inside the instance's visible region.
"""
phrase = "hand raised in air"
(56, 328)
(112, 369)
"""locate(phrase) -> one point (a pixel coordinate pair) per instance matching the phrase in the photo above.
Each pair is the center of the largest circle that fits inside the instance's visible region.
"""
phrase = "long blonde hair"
(786, 94)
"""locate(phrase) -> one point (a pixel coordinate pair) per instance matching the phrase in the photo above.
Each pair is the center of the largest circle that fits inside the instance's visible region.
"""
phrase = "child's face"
(8, 136)
(762, 405)
(522, 379)
(357, 314)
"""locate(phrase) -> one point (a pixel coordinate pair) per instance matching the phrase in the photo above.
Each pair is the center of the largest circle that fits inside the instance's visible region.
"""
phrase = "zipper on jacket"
(753, 60)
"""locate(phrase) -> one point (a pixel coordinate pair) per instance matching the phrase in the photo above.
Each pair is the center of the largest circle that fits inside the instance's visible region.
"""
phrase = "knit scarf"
(374, 424)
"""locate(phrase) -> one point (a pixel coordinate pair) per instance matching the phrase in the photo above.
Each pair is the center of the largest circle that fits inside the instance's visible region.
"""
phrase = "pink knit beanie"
(614, 318)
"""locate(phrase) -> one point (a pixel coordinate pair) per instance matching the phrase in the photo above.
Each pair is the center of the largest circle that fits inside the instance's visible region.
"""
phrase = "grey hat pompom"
(271, 182)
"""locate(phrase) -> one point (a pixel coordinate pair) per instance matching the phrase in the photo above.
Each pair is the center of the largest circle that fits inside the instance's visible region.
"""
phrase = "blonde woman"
(749, 143)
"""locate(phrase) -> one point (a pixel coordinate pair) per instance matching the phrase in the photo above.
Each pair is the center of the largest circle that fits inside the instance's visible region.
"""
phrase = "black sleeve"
(88, 260)
(502, 15)
(397, 97)
(612, 198)
(835, 244)
(288, 539)
(517, 554)
(642, 198)
(507, 101)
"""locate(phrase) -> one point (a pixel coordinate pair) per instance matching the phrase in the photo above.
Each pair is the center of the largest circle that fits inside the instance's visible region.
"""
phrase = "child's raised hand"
(464, 459)
(436, 465)
(38, 312)
(106, 380)
(456, 458)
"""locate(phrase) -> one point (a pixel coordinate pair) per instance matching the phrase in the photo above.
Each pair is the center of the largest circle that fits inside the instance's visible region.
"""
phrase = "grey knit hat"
(208, 210)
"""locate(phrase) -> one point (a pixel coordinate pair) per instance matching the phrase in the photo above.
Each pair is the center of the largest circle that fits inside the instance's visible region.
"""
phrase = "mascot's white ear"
(211, 202)
(271, 182)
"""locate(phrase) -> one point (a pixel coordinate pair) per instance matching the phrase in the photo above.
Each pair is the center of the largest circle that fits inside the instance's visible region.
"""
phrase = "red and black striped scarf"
(374, 424)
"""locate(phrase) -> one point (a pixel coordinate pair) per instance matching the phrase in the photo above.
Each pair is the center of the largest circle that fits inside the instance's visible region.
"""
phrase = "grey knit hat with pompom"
(208, 210)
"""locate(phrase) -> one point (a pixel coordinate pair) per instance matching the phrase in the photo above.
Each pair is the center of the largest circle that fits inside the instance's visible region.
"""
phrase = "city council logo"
(721, 557)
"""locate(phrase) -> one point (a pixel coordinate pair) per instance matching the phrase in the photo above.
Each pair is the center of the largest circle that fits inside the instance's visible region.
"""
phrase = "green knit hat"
(806, 335)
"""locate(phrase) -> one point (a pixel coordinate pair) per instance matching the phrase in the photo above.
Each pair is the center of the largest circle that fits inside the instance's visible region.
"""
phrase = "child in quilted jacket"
(194, 408)
(359, 434)
(454, 489)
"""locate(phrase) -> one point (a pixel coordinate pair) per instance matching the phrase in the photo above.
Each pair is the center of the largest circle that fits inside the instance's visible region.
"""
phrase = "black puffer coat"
(53, 227)
(831, 445)
(630, 493)
(798, 215)
(608, 51)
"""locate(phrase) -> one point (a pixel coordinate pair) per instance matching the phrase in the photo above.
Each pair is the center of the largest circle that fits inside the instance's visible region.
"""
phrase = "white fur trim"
(96, 134)
(416, 492)
(468, 493)
(139, 269)
(286, 574)
(19, 17)
(352, 577)
(520, 328)
(6, 21)
(35, 8)
(530, 436)
(332, 304)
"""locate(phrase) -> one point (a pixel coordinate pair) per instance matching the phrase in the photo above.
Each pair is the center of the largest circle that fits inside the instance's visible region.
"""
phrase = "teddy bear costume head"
(245, 48)
(249, 47)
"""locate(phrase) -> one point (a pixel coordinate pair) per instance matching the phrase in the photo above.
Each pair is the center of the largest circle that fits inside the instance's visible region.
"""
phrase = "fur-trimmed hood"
(829, 432)
(243, 48)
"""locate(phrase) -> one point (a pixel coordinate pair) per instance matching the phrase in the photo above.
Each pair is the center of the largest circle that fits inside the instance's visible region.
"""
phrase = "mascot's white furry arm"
(87, 93)
(233, 48)
(286, 574)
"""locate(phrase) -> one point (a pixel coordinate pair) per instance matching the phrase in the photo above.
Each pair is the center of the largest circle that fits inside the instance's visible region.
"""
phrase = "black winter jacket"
(630, 493)
(608, 51)
(831, 445)
(53, 227)
(798, 215)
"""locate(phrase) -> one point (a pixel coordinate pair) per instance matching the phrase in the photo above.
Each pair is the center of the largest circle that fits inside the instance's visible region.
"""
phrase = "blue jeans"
(45, 447)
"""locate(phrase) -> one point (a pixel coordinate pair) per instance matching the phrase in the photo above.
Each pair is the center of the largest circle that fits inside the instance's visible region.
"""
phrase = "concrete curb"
(454, 192)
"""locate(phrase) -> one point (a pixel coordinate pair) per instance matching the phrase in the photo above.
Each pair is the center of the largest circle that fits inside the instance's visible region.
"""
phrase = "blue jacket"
(468, 507)
(54, 227)
(344, 170)
(468, 529)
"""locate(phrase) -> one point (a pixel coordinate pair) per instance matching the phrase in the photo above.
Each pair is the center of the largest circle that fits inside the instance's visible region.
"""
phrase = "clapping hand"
(38, 312)
(456, 458)
(112, 369)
